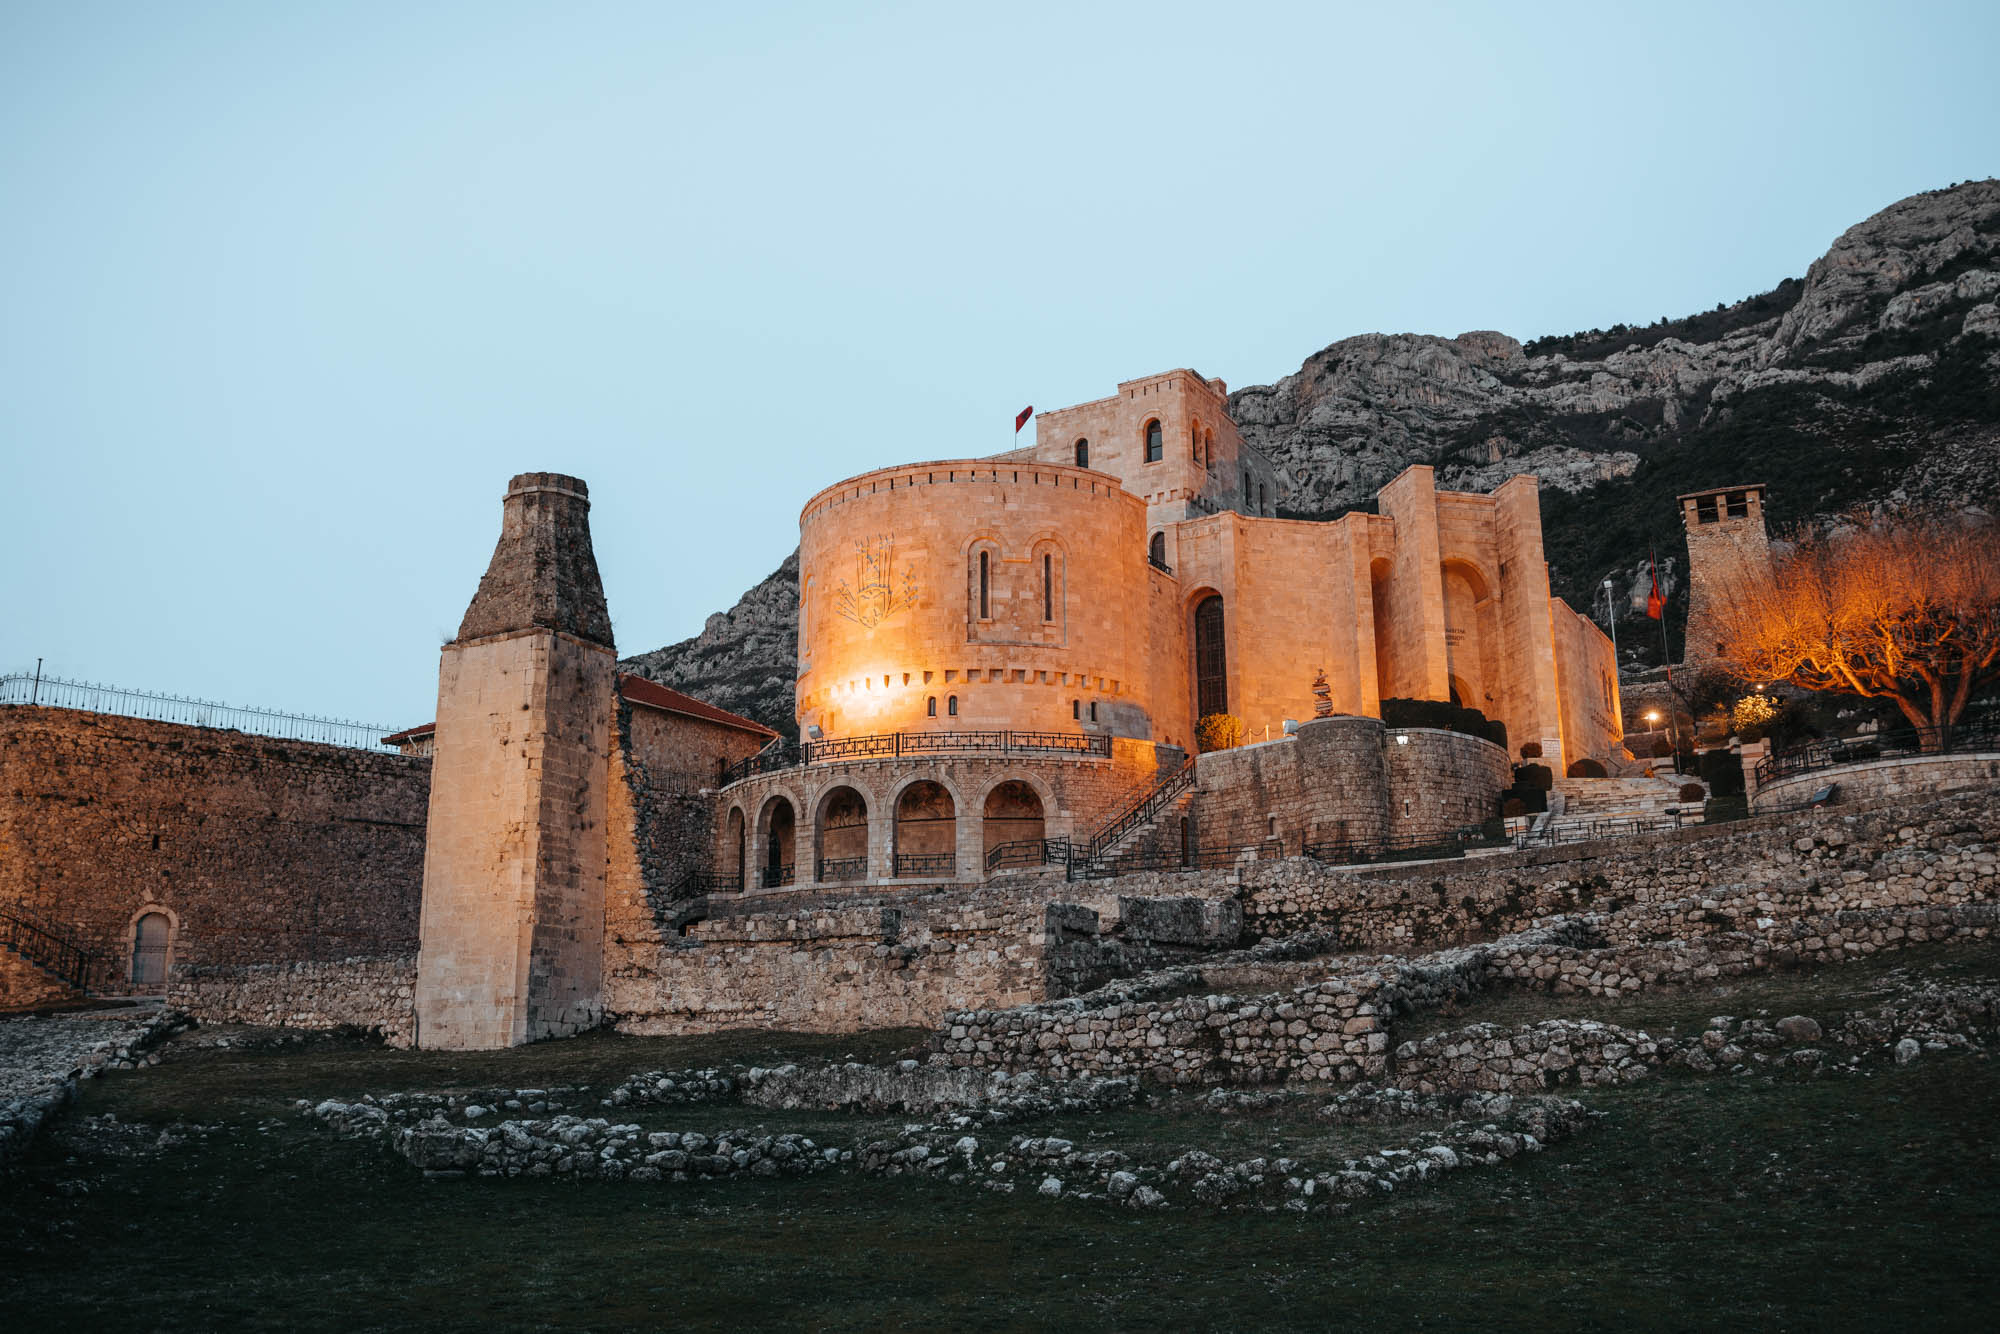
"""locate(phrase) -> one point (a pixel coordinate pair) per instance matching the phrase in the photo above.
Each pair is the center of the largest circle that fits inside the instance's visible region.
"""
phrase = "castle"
(1002, 666)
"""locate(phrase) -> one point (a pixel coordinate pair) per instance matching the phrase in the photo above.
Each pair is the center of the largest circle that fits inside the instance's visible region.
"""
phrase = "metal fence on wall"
(56, 693)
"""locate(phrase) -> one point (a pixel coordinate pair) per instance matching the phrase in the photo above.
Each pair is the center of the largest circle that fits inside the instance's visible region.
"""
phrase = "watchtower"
(512, 934)
(1727, 547)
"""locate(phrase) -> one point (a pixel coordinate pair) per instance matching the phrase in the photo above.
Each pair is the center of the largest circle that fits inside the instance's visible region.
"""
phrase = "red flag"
(1656, 601)
(1021, 417)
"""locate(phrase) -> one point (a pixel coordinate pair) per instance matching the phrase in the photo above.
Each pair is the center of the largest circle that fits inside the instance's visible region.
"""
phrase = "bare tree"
(1901, 605)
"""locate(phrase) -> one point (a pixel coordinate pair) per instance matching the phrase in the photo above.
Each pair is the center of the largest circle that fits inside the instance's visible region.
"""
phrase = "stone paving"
(38, 1051)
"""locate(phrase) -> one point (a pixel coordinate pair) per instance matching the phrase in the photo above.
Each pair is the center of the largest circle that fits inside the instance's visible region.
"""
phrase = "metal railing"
(1173, 859)
(57, 693)
(51, 949)
(700, 884)
(843, 868)
(793, 754)
(1158, 564)
(775, 877)
(1974, 732)
(1029, 852)
(1150, 805)
(926, 863)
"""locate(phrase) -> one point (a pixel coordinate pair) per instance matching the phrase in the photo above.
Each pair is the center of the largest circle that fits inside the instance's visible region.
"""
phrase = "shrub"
(1219, 731)
(1445, 716)
(1586, 768)
(1533, 778)
(1693, 792)
(1531, 750)
(1722, 771)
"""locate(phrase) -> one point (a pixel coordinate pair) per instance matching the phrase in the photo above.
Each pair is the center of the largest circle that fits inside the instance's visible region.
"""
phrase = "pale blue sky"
(288, 291)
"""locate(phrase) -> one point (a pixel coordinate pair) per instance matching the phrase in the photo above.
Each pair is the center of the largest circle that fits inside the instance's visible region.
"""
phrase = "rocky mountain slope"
(1876, 376)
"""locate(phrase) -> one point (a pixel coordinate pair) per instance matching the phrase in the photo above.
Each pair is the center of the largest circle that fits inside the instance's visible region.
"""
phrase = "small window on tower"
(1704, 510)
(1076, 708)
(1263, 499)
(1083, 453)
(951, 705)
(930, 707)
(1155, 442)
(1739, 504)
(1093, 710)
(1246, 490)
(984, 605)
(1048, 587)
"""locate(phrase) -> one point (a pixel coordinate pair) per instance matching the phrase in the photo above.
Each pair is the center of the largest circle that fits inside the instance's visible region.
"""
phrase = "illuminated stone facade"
(1127, 575)
(1728, 546)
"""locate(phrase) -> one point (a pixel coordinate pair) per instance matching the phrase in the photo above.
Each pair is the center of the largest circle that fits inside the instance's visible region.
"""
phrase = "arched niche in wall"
(841, 831)
(777, 842)
(1383, 604)
(1471, 635)
(1209, 641)
(1013, 814)
(926, 830)
(733, 844)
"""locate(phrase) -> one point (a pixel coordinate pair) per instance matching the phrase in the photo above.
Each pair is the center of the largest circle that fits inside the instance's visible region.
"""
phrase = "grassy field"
(1794, 1203)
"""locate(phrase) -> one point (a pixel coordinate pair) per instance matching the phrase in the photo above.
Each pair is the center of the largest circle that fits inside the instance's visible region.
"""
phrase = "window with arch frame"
(985, 586)
(1155, 441)
(1083, 453)
(951, 706)
(930, 707)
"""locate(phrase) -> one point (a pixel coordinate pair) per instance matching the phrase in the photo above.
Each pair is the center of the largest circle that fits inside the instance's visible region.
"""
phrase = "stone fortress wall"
(251, 848)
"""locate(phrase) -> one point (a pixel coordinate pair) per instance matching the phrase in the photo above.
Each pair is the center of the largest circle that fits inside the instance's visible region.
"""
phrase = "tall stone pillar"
(512, 936)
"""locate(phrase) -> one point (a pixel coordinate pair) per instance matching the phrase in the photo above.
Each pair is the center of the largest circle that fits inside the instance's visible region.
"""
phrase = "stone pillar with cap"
(512, 933)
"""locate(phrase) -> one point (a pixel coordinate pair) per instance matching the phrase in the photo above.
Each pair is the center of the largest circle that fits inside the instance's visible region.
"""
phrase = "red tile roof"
(637, 690)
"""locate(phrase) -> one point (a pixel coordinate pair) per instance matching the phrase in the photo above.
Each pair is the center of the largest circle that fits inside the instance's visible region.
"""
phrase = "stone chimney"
(512, 936)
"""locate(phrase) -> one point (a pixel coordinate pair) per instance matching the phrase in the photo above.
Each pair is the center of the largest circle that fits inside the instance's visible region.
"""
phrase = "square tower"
(1728, 546)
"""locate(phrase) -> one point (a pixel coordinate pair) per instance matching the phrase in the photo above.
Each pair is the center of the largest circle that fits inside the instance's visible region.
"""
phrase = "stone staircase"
(1587, 808)
(26, 985)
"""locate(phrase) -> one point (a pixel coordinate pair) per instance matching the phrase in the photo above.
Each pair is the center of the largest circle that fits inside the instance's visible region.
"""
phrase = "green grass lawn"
(1795, 1203)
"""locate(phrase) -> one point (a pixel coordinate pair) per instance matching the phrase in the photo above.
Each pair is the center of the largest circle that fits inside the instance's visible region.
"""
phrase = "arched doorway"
(1013, 816)
(1385, 630)
(732, 849)
(149, 952)
(1211, 658)
(778, 861)
(843, 836)
(1470, 633)
(926, 830)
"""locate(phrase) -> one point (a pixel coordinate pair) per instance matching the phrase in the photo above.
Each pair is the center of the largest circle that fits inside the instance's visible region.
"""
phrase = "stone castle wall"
(375, 994)
(255, 849)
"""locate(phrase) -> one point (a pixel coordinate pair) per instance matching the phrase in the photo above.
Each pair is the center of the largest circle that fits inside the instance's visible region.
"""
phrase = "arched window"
(1155, 442)
(1246, 490)
(951, 705)
(1083, 453)
(930, 707)
(1093, 710)
(985, 606)
(1048, 587)
(1211, 664)
(1194, 442)
(1076, 708)
(1263, 499)
(1156, 551)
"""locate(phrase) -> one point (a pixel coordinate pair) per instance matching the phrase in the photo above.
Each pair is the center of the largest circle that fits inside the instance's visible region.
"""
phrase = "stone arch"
(776, 851)
(151, 933)
(1012, 812)
(926, 828)
(1208, 646)
(735, 847)
(1471, 634)
(840, 834)
(1387, 679)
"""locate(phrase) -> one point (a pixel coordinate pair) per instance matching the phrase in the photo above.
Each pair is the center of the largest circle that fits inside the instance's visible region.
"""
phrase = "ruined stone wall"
(367, 993)
(840, 965)
(255, 849)
(1440, 781)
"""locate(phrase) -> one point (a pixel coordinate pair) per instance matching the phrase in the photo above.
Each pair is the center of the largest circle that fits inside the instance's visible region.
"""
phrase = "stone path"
(36, 1052)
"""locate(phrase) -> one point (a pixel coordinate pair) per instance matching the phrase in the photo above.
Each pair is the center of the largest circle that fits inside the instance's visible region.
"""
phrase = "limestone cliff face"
(1901, 307)
(745, 659)
(1875, 377)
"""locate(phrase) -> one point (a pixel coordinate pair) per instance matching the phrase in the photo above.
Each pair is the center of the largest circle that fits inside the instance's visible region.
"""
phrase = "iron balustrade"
(700, 884)
(887, 745)
(1978, 732)
(774, 877)
(1148, 806)
(50, 948)
(843, 868)
(1158, 564)
(1029, 852)
(56, 693)
(926, 863)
